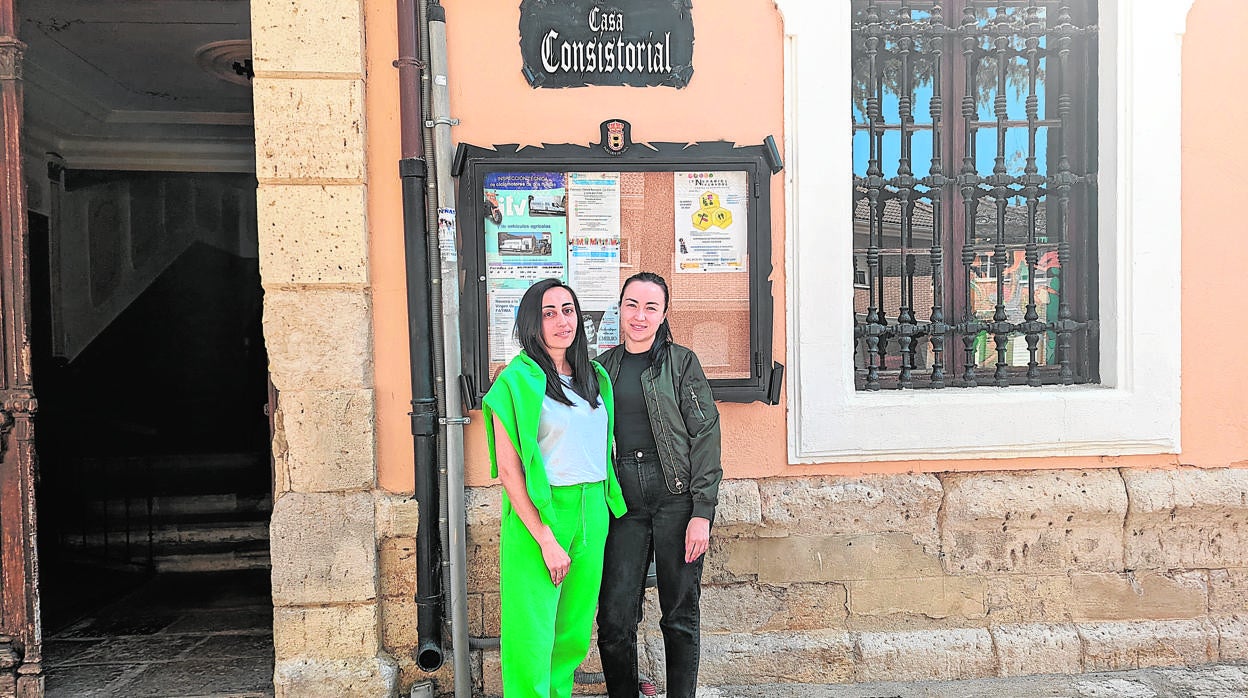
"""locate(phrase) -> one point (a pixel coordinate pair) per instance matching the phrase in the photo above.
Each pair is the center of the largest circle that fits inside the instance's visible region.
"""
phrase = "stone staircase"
(183, 513)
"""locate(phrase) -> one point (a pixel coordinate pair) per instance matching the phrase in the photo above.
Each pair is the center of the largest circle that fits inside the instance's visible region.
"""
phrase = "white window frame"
(1134, 410)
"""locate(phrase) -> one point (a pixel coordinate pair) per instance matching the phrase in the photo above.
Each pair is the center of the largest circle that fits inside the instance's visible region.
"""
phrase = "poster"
(594, 204)
(525, 241)
(525, 228)
(502, 313)
(594, 238)
(608, 334)
(711, 223)
(446, 235)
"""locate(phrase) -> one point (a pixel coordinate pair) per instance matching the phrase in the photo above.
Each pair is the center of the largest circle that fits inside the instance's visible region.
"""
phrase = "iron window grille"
(987, 214)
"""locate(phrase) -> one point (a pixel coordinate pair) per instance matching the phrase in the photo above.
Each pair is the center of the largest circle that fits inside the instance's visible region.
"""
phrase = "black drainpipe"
(414, 175)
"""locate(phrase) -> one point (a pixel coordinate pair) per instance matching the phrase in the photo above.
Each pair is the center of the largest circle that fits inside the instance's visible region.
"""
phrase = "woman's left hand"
(697, 538)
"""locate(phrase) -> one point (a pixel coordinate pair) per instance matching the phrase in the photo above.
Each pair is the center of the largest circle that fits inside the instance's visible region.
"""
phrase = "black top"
(632, 422)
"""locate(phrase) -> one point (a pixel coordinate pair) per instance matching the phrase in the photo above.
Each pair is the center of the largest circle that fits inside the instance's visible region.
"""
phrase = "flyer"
(711, 211)
(594, 253)
(594, 204)
(525, 241)
(594, 238)
(502, 306)
(594, 271)
(525, 228)
(608, 334)
(446, 235)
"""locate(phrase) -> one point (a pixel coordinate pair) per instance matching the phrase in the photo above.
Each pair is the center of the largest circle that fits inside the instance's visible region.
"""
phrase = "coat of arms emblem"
(616, 137)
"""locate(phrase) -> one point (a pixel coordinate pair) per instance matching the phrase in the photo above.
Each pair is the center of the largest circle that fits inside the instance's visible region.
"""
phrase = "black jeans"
(655, 522)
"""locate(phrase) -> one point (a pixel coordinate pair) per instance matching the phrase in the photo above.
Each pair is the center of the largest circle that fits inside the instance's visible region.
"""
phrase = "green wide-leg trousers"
(546, 628)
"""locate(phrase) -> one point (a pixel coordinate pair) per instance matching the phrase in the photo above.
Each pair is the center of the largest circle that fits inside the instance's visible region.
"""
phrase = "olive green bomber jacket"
(685, 423)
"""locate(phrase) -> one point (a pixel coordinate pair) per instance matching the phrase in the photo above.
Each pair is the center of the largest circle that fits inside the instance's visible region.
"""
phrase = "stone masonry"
(329, 518)
(949, 576)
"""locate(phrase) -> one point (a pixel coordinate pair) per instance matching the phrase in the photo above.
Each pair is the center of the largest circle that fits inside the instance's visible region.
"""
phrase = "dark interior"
(153, 443)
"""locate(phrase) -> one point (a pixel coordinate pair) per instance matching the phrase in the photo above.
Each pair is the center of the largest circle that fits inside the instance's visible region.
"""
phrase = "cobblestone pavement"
(1215, 681)
(207, 635)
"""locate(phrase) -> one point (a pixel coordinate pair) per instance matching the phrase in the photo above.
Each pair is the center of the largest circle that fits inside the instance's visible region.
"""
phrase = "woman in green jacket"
(548, 420)
(668, 463)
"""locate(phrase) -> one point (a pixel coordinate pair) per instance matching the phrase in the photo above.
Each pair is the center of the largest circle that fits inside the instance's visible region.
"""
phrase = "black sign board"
(573, 43)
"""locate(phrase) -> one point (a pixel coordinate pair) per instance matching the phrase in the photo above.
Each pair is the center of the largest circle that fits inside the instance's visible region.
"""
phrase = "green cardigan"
(516, 398)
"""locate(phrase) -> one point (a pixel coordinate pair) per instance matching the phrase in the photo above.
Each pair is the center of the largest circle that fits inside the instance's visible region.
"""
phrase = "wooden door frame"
(21, 672)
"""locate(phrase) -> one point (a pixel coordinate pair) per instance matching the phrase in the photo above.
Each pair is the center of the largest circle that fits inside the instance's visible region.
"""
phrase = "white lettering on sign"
(548, 51)
(642, 56)
(600, 21)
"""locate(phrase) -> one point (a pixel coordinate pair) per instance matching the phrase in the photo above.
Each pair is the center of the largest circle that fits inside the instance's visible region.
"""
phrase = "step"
(197, 533)
(206, 504)
(205, 556)
(213, 562)
(224, 534)
(242, 506)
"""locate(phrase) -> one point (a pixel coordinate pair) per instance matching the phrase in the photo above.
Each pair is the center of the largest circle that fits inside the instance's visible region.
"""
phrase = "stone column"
(309, 104)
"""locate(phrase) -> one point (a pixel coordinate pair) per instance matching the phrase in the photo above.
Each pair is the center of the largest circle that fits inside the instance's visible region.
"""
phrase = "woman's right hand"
(556, 559)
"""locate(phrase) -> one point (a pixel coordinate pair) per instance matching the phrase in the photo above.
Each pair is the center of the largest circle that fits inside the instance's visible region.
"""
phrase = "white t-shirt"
(573, 439)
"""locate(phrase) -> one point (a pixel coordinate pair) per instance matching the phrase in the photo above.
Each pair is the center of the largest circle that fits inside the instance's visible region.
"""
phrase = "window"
(1134, 408)
(698, 215)
(974, 206)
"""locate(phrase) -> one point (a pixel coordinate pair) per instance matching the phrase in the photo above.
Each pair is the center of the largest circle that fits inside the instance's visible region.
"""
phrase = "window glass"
(593, 230)
(971, 193)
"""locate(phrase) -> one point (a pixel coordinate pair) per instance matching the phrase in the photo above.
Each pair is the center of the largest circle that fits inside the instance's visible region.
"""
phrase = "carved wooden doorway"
(20, 640)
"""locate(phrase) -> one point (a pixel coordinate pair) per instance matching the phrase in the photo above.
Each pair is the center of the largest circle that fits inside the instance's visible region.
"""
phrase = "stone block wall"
(332, 528)
(951, 576)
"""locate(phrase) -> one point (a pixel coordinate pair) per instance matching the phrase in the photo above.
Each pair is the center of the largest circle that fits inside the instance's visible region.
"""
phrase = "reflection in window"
(974, 154)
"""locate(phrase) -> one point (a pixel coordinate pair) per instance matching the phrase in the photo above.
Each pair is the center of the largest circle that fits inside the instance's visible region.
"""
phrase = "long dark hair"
(662, 336)
(528, 333)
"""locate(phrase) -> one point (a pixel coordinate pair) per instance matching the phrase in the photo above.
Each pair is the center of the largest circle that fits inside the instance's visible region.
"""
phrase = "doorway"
(155, 480)
(154, 486)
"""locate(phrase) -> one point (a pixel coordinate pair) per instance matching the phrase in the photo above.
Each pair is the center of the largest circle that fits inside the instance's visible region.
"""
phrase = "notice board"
(700, 219)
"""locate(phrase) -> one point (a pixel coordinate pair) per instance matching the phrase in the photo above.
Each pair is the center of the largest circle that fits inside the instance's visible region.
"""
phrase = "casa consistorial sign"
(573, 43)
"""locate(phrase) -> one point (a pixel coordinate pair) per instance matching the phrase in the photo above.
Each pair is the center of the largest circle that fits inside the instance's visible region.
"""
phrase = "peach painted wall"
(1215, 235)
(738, 62)
(385, 225)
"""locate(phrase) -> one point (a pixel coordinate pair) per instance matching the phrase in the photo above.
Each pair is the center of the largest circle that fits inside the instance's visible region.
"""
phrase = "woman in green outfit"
(553, 408)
